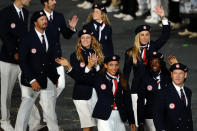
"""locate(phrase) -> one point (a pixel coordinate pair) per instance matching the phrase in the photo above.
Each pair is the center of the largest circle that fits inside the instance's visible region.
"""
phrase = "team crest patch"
(95, 5)
(13, 25)
(144, 27)
(103, 87)
(33, 51)
(82, 64)
(41, 13)
(177, 66)
(149, 88)
(154, 53)
(171, 106)
(114, 57)
(84, 31)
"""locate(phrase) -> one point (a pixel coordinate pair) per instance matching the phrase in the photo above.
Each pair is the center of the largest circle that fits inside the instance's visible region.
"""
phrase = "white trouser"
(9, 74)
(153, 3)
(142, 4)
(35, 115)
(149, 125)
(114, 123)
(85, 109)
(61, 80)
(48, 101)
(134, 98)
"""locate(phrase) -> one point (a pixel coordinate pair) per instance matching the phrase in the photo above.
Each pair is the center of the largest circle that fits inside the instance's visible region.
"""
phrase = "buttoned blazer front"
(81, 90)
(12, 31)
(35, 62)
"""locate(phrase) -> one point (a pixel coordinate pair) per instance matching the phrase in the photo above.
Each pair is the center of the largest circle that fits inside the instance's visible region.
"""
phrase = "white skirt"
(85, 109)
(114, 123)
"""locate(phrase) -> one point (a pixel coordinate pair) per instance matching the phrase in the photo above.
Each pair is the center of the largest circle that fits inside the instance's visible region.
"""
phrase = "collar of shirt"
(18, 10)
(113, 77)
(40, 37)
(49, 14)
(178, 88)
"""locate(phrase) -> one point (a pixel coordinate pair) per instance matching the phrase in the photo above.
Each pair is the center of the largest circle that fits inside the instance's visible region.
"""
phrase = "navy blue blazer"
(139, 69)
(170, 113)
(59, 26)
(81, 91)
(149, 90)
(106, 99)
(12, 31)
(106, 38)
(35, 62)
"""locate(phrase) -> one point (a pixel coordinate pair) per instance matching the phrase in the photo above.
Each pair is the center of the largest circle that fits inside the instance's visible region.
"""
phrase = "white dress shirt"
(178, 89)
(45, 37)
(18, 11)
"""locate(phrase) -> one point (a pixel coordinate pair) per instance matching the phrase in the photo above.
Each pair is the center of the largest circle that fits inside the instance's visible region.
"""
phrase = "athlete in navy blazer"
(99, 24)
(36, 63)
(13, 28)
(173, 110)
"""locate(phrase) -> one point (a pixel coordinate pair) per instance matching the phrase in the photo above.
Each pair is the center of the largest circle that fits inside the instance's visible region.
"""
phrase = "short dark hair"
(42, 1)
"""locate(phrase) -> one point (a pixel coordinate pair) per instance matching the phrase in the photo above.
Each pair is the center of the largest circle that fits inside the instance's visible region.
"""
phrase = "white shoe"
(152, 20)
(128, 18)
(6, 126)
(120, 15)
(82, 4)
(87, 6)
(184, 33)
(140, 12)
(103, 1)
(112, 9)
(193, 35)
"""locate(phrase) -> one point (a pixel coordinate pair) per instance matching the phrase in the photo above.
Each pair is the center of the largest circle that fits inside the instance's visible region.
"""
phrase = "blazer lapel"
(177, 97)
(15, 14)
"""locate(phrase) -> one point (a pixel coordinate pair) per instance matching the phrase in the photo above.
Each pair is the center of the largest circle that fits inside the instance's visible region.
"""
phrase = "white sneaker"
(112, 9)
(193, 35)
(82, 4)
(103, 1)
(120, 15)
(184, 33)
(140, 12)
(87, 6)
(128, 18)
(152, 20)
(6, 126)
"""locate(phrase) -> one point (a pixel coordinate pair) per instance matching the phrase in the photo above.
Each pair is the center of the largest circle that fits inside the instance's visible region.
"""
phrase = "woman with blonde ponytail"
(136, 58)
